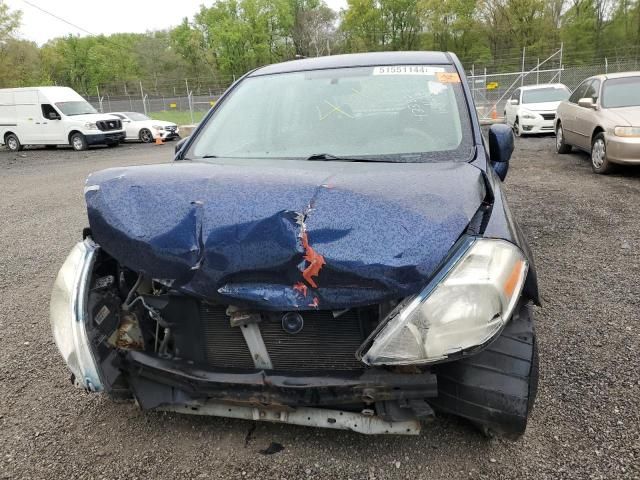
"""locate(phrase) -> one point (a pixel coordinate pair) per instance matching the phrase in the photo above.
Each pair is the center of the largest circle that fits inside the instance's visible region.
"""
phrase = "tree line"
(230, 37)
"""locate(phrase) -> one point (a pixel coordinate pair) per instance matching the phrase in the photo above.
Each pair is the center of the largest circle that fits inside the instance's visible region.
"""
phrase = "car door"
(510, 109)
(50, 130)
(569, 113)
(587, 118)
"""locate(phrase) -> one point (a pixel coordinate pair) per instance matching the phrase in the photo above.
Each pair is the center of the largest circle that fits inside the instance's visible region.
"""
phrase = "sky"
(106, 16)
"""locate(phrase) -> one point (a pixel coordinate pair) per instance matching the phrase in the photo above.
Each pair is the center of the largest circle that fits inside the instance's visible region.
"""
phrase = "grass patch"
(180, 118)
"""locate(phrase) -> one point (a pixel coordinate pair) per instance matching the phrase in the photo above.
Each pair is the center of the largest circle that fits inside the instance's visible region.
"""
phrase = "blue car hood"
(287, 235)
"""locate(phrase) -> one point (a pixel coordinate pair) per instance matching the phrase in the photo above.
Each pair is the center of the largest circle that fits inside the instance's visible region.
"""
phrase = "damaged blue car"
(331, 247)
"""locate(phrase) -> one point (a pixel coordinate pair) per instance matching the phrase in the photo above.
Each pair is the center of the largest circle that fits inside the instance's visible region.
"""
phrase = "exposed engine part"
(128, 336)
(104, 308)
(238, 317)
(102, 283)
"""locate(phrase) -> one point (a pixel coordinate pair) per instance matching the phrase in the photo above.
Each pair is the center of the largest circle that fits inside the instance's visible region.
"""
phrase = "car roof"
(543, 85)
(606, 76)
(357, 60)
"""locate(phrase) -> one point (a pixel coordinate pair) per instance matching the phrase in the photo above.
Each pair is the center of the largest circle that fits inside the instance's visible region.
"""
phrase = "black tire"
(561, 146)
(145, 136)
(12, 142)
(78, 142)
(516, 128)
(600, 164)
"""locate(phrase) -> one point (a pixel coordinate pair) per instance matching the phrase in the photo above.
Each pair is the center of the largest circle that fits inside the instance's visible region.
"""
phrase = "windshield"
(549, 94)
(137, 117)
(75, 108)
(621, 92)
(398, 113)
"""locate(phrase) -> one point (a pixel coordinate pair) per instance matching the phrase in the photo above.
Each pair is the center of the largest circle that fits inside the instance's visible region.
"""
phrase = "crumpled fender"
(285, 235)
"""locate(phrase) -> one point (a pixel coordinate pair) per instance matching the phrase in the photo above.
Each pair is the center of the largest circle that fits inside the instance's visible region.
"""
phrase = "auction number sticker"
(407, 70)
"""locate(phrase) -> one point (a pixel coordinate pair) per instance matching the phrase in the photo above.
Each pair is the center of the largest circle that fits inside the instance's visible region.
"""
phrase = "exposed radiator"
(325, 343)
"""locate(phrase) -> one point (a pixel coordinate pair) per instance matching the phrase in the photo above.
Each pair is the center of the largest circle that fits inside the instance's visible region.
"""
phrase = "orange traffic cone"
(159, 140)
(494, 114)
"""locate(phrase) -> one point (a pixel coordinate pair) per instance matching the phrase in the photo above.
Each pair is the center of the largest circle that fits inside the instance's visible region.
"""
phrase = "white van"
(54, 116)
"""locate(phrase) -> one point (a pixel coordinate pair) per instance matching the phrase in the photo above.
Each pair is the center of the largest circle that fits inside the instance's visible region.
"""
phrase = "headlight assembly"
(90, 126)
(158, 127)
(465, 306)
(528, 115)
(627, 131)
(68, 315)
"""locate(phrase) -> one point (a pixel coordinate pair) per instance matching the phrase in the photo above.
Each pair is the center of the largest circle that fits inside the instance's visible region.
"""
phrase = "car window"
(137, 117)
(578, 93)
(592, 90)
(399, 113)
(47, 109)
(547, 94)
(621, 92)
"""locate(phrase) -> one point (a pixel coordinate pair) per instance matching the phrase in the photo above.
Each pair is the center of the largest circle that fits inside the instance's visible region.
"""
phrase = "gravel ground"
(583, 229)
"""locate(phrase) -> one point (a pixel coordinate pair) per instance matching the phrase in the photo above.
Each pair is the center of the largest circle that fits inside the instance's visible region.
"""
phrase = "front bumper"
(532, 126)
(623, 149)
(494, 388)
(105, 138)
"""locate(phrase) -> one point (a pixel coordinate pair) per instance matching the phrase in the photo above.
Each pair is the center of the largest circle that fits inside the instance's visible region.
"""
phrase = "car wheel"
(12, 143)
(516, 128)
(561, 146)
(146, 136)
(599, 162)
(78, 142)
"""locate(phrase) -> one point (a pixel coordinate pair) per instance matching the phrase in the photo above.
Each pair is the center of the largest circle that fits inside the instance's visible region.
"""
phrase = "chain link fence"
(491, 91)
(186, 101)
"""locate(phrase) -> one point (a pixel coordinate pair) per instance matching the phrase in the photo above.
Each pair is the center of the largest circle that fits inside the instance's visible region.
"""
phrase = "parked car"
(602, 117)
(332, 247)
(54, 116)
(532, 109)
(140, 127)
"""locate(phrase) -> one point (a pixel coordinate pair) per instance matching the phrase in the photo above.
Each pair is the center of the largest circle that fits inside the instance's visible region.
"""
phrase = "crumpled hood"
(288, 234)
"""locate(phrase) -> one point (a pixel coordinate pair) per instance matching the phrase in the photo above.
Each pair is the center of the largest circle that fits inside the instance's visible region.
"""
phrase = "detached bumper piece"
(308, 417)
(157, 382)
(496, 388)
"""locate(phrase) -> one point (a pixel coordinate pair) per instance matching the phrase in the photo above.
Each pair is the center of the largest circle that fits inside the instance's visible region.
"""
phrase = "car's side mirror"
(53, 116)
(500, 148)
(587, 103)
(514, 101)
(126, 121)
(180, 143)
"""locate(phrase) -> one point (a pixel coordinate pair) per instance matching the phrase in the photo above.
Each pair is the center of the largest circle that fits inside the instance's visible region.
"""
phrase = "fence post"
(99, 99)
(606, 65)
(560, 70)
(186, 81)
(144, 104)
(538, 71)
(522, 71)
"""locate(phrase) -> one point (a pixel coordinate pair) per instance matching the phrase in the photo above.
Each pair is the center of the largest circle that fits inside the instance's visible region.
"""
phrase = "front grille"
(325, 342)
(106, 125)
(548, 116)
(170, 129)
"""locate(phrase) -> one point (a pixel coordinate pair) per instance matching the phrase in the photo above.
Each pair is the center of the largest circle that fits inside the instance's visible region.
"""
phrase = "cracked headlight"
(466, 305)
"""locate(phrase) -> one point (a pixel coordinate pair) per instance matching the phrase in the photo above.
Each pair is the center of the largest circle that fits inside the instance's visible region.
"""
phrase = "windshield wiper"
(326, 157)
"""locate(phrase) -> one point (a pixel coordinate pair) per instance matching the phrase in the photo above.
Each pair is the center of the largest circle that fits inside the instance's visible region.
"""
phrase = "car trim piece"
(305, 416)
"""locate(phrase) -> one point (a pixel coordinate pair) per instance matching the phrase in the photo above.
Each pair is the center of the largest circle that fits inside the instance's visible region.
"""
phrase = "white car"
(140, 127)
(532, 109)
